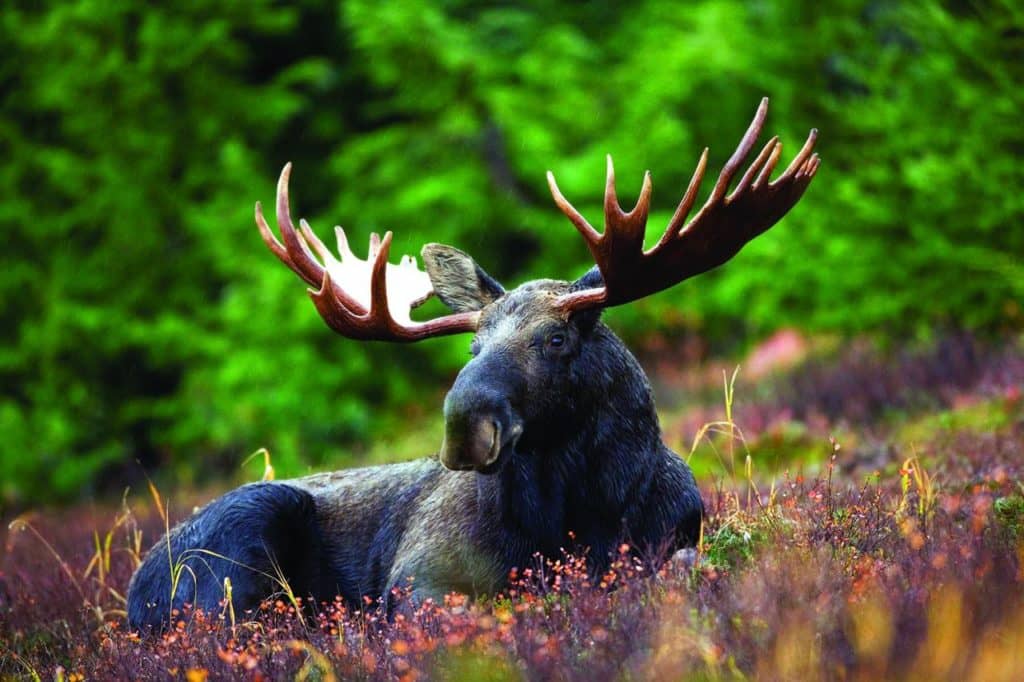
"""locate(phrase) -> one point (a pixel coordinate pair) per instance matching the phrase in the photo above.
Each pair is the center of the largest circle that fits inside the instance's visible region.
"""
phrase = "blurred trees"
(142, 318)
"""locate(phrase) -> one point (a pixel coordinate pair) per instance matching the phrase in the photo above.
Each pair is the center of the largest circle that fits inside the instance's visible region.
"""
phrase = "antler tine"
(814, 162)
(271, 241)
(313, 241)
(301, 259)
(741, 153)
(611, 200)
(678, 220)
(378, 282)
(762, 162)
(622, 230)
(344, 250)
(374, 245)
(589, 233)
(766, 172)
(800, 158)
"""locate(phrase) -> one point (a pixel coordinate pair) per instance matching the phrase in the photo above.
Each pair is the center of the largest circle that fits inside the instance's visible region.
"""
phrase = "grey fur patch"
(458, 281)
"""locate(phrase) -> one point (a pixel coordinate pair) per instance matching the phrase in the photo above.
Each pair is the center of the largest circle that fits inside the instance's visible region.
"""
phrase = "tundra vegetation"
(893, 552)
(144, 332)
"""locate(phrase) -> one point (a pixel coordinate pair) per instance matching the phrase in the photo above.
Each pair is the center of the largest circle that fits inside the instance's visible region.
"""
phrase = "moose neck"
(579, 468)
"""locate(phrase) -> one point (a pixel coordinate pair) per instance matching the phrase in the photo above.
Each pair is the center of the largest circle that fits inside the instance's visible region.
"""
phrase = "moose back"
(550, 428)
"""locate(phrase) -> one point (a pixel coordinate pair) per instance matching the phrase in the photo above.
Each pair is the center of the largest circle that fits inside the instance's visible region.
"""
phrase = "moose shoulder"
(550, 428)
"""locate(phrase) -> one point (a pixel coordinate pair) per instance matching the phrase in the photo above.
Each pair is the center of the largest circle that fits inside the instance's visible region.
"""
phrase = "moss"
(1009, 513)
(731, 547)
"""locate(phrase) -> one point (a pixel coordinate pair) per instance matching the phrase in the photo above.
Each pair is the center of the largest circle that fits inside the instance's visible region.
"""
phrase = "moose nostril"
(472, 442)
(493, 444)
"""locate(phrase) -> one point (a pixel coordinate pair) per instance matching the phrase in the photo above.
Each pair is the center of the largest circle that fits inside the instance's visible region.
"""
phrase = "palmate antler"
(368, 300)
(372, 299)
(719, 230)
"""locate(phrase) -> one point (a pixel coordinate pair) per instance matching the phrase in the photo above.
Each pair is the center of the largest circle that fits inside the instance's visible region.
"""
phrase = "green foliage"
(1009, 512)
(129, 135)
(142, 319)
(732, 547)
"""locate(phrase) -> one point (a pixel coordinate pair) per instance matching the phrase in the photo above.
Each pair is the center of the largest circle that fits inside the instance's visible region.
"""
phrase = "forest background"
(144, 327)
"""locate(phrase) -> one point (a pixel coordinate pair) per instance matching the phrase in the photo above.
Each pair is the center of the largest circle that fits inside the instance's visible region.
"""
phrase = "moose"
(550, 430)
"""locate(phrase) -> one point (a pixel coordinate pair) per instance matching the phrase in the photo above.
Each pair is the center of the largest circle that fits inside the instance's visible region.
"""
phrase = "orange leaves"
(196, 675)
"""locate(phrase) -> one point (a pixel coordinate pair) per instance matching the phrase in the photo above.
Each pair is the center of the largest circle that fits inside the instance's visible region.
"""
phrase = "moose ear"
(458, 281)
(591, 280)
(587, 318)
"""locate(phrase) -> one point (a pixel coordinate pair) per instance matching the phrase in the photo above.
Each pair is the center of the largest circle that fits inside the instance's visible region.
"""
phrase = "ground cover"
(865, 521)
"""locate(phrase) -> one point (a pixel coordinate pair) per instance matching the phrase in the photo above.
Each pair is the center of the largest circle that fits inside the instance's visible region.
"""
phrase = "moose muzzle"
(480, 426)
(475, 445)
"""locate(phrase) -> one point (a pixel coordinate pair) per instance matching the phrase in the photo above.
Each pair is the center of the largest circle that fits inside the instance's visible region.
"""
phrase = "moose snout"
(475, 445)
(477, 431)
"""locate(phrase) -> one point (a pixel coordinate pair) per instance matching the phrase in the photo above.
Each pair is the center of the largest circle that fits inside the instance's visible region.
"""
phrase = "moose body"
(597, 469)
(551, 436)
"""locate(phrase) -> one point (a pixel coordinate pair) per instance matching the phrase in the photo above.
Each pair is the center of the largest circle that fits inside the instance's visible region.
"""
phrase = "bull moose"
(550, 428)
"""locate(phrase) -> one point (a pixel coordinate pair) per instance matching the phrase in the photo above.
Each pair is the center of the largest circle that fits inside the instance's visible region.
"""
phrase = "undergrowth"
(911, 569)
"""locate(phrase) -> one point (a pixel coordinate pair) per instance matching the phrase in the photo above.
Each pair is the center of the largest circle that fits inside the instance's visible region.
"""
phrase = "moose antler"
(368, 300)
(719, 230)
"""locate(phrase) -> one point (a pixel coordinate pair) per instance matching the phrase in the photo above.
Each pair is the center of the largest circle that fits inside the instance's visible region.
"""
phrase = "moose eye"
(556, 340)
